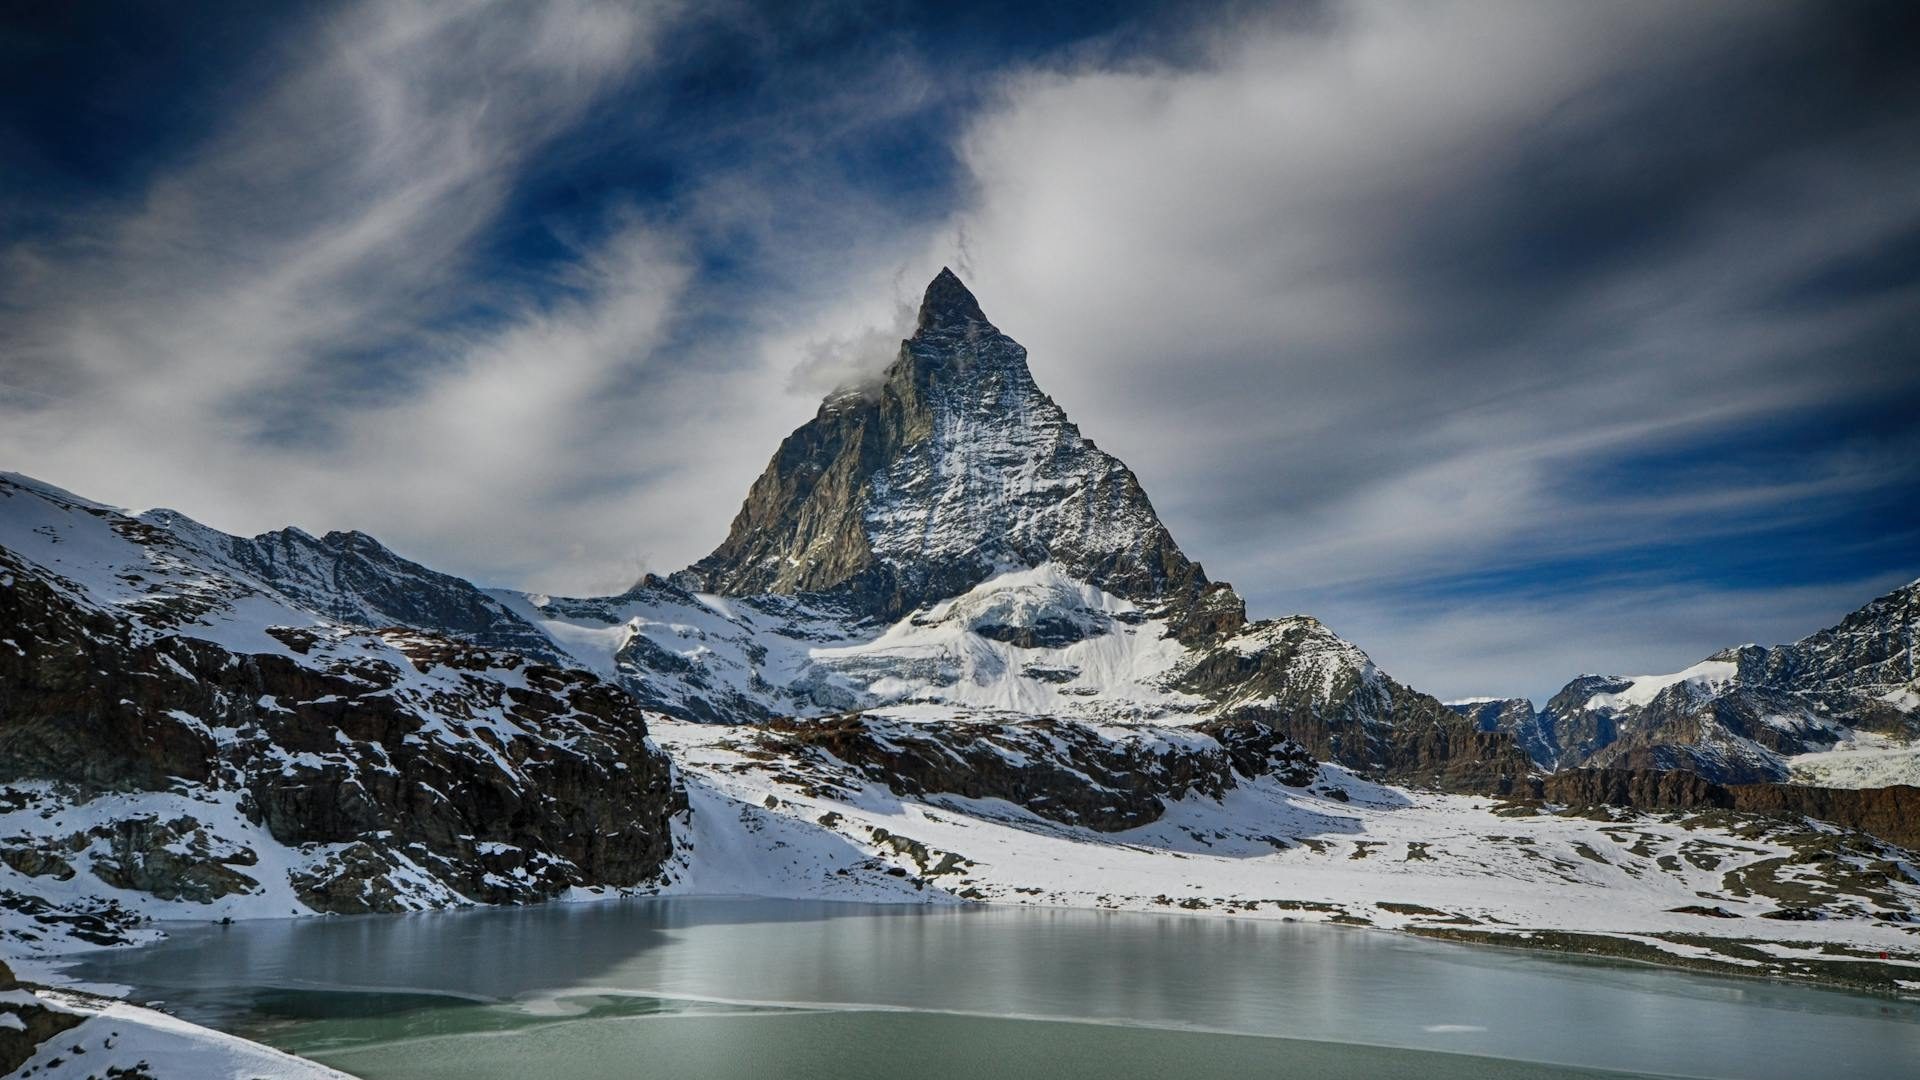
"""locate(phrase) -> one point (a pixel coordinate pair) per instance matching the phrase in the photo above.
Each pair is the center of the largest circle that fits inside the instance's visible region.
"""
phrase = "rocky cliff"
(1744, 714)
(1890, 813)
(172, 730)
(952, 467)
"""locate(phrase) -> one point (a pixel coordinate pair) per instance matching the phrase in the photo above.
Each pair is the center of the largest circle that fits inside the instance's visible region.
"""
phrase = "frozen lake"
(693, 988)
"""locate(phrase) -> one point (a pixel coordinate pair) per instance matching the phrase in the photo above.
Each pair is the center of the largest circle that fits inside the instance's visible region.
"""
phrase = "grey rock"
(953, 466)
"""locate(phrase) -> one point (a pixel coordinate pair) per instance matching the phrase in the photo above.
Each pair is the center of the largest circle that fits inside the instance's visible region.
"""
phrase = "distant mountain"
(352, 578)
(1744, 714)
(1515, 718)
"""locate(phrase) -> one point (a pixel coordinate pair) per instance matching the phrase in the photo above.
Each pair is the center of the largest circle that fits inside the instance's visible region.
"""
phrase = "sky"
(1512, 340)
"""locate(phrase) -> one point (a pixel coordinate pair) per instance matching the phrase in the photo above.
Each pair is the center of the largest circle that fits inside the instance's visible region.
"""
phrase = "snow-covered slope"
(1031, 641)
(94, 1038)
(1861, 759)
(1034, 640)
(830, 812)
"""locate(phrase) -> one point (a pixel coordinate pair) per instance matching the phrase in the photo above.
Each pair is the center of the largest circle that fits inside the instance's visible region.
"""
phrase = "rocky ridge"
(954, 467)
(174, 731)
(1744, 714)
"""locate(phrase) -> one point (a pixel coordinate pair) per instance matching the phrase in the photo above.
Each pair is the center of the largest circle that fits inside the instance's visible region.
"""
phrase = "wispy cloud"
(272, 331)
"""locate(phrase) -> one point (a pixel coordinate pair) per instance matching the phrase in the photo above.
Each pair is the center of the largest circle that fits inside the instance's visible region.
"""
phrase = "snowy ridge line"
(1749, 714)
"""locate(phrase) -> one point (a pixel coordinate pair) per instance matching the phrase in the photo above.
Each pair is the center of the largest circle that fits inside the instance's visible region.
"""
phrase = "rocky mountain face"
(1742, 715)
(174, 730)
(954, 467)
(1025, 568)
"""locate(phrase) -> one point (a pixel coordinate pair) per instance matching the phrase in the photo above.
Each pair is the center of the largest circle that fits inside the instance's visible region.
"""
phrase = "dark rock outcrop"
(500, 779)
(1890, 813)
(1059, 770)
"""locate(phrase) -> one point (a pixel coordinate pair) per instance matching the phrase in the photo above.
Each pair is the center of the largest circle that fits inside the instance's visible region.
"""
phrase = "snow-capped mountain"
(1816, 708)
(950, 470)
(948, 539)
(940, 610)
(285, 722)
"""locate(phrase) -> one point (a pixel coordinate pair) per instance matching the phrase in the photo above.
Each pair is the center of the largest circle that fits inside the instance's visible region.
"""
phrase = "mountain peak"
(948, 302)
(954, 469)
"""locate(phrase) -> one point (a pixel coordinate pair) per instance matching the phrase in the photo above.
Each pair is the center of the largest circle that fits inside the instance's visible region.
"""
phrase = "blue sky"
(1512, 340)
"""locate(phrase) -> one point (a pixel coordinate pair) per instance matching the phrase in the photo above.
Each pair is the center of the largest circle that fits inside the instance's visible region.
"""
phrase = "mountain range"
(1747, 714)
(944, 631)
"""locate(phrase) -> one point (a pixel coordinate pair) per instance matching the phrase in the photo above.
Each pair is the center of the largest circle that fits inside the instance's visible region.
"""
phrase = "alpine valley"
(947, 654)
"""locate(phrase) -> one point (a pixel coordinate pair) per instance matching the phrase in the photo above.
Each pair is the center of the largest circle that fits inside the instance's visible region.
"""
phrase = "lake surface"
(699, 988)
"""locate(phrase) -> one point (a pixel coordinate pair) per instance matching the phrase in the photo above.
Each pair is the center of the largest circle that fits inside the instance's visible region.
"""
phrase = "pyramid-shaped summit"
(948, 302)
(955, 467)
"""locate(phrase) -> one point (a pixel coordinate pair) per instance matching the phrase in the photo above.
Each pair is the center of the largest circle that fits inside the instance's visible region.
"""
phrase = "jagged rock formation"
(172, 729)
(1743, 714)
(1514, 717)
(954, 467)
(1060, 770)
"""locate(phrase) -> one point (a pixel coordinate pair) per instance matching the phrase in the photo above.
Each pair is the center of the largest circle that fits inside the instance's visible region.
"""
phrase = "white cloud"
(253, 340)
